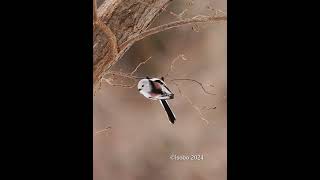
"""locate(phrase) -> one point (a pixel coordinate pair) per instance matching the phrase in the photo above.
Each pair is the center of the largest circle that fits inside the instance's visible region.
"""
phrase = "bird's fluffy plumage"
(156, 89)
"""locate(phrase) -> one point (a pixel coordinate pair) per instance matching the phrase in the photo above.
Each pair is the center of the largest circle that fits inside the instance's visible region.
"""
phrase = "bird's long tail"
(167, 108)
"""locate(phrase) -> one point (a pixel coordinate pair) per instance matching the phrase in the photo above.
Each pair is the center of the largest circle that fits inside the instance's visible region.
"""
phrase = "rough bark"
(120, 20)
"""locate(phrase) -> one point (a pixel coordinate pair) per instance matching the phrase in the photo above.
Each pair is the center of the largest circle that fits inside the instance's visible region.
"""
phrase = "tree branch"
(140, 64)
(196, 19)
(199, 83)
(181, 56)
(123, 19)
(101, 131)
(110, 57)
(121, 23)
(192, 104)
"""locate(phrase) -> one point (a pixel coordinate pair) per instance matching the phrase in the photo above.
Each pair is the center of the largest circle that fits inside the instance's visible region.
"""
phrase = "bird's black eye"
(142, 85)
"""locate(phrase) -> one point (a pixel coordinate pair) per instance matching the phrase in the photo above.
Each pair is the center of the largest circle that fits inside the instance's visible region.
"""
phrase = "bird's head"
(144, 85)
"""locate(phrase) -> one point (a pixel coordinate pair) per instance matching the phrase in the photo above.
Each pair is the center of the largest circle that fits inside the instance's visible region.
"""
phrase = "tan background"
(141, 139)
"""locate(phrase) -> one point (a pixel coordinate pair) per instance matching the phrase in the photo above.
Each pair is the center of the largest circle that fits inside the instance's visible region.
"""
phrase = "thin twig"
(124, 75)
(192, 104)
(199, 83)
(135, 78)
(196, 19)
(119, 85)
(179, 16)
(101, 131)
(216, 11)
(208, 108)
(173, 63)
(140, 64)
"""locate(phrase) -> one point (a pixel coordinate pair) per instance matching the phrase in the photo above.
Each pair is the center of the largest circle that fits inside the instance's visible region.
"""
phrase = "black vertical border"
(47, 78)
(248, 111)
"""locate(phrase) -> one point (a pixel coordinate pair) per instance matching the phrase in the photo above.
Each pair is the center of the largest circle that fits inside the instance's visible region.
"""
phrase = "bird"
(156, 89)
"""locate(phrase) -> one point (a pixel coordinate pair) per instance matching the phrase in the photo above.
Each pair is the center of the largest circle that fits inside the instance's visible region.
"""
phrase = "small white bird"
(156, 89)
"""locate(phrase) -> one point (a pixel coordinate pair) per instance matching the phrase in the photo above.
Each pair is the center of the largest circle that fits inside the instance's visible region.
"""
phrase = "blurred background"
(141, 139)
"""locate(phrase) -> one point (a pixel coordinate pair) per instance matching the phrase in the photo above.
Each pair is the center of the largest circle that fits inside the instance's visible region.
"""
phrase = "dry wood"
(118, 24)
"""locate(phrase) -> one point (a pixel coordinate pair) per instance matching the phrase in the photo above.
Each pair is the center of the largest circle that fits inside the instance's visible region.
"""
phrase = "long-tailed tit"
(156, 89)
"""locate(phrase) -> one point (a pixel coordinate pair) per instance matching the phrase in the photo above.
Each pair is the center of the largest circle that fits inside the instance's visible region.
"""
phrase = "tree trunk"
(120, 20)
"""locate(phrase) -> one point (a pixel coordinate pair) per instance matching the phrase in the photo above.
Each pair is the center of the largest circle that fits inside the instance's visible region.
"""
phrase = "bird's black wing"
(166, 90)
(162, 83)
(154, 89)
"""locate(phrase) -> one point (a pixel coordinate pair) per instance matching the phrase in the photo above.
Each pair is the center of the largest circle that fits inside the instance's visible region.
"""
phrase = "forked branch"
(195, 81)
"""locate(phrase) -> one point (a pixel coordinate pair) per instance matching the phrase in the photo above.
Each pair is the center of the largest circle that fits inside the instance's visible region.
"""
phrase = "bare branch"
(125, 75)
(101, 131)
(216, 11)
(181, 56)
(199, 83)
(120, 85)
(108, 59)
(106, 38)
(135, 78)
(150, 5)
(180, 15)
(208, 108)
(192, 104)
(196, 19)
(140, 64)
